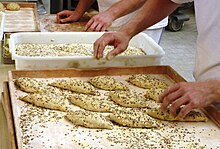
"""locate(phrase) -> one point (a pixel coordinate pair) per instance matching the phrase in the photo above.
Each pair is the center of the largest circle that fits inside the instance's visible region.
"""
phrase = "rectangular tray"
(26, 19)
(198, 130)
(153, 50)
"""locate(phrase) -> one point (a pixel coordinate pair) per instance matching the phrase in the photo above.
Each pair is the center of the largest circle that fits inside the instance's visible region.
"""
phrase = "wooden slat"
(213, 113)
(167, 70)
(6, 102)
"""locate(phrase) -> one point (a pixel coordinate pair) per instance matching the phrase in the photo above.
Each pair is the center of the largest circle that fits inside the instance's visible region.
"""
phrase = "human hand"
(99, 22)
(117, 39)
(192, 95)
(68, 16)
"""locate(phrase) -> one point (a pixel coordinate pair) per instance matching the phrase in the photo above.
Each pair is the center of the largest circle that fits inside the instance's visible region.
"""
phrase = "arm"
(103, 20)
(192, 95)
(150, 13)
(72, 16)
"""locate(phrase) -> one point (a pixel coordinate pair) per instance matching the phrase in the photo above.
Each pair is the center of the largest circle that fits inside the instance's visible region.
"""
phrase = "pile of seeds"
(30, 49)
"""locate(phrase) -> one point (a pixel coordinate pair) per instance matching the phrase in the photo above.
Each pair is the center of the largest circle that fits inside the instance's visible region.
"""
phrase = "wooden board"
(24, 20)
(62, 134)
(49, 24)
(6, 102)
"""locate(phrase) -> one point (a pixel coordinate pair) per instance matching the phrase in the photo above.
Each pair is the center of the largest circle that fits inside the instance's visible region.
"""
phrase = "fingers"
(185, 110)
(95, 24)
(100, 45)
(65, 20)
(175, 106)
(171, 89)
(113, 53)
(88, 24)
(60, 15)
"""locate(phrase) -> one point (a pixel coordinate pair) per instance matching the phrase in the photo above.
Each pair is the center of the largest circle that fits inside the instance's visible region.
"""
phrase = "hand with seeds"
(190, 95)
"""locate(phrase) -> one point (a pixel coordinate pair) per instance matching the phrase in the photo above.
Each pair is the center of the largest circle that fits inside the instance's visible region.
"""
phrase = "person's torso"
(208, 42)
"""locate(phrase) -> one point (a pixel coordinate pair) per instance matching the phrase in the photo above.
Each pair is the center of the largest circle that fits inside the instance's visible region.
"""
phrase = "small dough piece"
(29, 85)
(146, 81)
(154, 93)
(48, 100)
(134, 119)
(192, 116)
(13, 6)
(129, 99)
(2, 7)
(91, 103)
(88, 119)
(74, 85)
(107, 83)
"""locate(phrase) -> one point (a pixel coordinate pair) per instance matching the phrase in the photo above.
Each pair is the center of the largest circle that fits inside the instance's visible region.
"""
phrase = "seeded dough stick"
(154, 93)
(107, 83)
(75, 85)
(31, 85)
(134, 119)
(92, 103)
(47, 100)
(146, 81)
(192, 116)
(130, 99)
(88, 119)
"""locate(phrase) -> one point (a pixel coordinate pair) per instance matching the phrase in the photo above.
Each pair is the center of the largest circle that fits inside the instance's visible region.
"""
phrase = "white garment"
(181, 1)
(156, 29)
(208, 41)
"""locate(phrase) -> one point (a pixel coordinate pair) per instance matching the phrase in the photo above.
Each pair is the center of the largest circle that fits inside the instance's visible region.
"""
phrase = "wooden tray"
(206, 132)
(24, 20)
(6, 102)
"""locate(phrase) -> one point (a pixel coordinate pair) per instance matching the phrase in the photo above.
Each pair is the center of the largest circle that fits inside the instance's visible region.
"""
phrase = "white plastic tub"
(153, 50)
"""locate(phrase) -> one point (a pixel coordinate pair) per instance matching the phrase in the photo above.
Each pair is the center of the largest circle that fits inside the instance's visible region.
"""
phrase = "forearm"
(150, 13)
(124, 7)
(84, 5)
(215, 89)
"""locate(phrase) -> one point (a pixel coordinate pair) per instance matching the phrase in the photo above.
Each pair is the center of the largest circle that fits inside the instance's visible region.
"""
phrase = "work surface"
(175, 44)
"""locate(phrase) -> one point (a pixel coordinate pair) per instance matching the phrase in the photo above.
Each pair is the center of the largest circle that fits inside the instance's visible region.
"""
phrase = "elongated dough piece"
(75, 85)
(129, 99)
(107, 83)
(192, 116)
(47, 100)
(146, 81)
(29, 85)
(154, 93)
(90, 102)
(88, 119)
(134, 119)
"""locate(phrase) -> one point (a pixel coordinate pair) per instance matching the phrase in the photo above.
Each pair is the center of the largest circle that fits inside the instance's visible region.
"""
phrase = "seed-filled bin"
(61, 40)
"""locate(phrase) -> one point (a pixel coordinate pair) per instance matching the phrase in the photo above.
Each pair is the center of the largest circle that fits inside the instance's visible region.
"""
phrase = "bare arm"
(150, 13)
(104, 19)
(124, 7)
(72, 16)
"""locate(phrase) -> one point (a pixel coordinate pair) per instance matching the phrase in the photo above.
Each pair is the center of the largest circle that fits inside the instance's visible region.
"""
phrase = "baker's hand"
(192, 94)
(99, 22)
(117, 39)
(68, 16)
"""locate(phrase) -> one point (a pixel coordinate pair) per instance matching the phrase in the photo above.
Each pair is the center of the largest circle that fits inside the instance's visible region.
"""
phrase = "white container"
(153, 50)
(2, 19)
